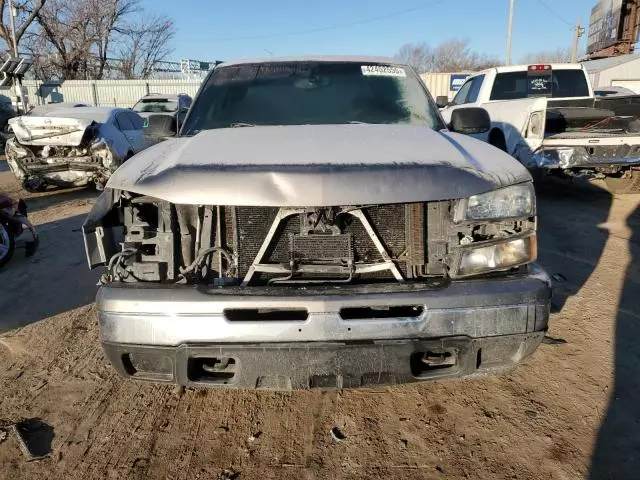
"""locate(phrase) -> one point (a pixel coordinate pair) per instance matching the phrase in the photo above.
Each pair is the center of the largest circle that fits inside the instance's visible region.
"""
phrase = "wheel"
(7, 244)
(624, 184)
(496, 138)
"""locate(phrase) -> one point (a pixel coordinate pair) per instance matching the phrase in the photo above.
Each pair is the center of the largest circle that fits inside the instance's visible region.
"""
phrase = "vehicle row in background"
(70, 146)
(548, 118)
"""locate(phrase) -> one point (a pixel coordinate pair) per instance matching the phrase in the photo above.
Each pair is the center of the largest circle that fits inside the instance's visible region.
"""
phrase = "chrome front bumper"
(173, 326)
(158, 315)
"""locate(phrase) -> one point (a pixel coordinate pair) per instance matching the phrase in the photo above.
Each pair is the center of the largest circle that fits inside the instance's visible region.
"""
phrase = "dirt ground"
(570, 411)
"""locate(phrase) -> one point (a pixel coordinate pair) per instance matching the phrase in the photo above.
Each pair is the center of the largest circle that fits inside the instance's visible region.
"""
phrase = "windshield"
(559, 84)
(310, 93)
(156, 105)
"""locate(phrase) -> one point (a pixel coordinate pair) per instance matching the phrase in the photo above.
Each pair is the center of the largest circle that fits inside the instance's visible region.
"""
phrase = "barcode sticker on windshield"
(383, 70)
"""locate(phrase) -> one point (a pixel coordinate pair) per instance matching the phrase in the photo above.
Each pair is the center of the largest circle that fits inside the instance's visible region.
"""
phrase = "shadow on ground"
(570, 236)
(30, 287)
(617, 450)
(55, 196)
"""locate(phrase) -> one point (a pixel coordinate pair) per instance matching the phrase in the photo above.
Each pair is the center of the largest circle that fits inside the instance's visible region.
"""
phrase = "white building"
(620, 71)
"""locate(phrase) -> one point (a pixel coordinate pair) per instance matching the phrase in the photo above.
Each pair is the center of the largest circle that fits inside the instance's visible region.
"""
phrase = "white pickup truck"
(548, 118)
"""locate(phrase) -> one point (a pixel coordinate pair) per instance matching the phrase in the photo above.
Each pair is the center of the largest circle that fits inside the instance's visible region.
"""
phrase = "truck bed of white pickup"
(547, 117)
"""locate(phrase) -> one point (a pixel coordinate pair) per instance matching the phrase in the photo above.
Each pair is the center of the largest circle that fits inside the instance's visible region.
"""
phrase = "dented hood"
(317, 165)
(49, 130)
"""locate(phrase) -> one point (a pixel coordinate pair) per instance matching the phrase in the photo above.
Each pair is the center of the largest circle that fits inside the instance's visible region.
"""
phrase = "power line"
(332, 27)
(555, 14)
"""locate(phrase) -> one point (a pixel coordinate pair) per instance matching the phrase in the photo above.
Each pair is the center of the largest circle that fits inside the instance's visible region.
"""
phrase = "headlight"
(500, 256)
(517, 201)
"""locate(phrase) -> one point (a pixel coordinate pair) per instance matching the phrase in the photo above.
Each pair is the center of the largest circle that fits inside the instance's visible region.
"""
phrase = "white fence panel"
(124, 93)
(437, 83)
(105, 93)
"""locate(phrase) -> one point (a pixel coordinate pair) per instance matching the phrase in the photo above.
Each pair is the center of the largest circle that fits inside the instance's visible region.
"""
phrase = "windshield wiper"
(241, 124)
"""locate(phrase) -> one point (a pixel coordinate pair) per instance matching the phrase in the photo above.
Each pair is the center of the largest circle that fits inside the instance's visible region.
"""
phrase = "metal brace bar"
(281, 215)
(359, 214)
(270, 268)
(374, 267)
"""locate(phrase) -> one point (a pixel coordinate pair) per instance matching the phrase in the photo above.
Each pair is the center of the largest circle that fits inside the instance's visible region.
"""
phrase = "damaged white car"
(72, 147)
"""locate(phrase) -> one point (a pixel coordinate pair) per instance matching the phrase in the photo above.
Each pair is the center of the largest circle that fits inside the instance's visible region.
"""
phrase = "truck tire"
(496, 138)
(630, 184)
(7, 244)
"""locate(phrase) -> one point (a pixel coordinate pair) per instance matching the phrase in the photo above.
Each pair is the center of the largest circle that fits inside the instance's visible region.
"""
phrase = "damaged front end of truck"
(63, 152)
(142, 239)
(430, 264)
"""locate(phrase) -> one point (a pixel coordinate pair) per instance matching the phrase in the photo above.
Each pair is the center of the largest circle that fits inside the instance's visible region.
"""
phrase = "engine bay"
(145, 239)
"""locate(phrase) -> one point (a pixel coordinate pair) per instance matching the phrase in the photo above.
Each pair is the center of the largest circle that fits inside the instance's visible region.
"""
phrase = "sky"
(210, 30)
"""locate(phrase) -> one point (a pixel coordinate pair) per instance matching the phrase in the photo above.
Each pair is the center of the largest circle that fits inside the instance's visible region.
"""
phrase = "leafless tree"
(456, 56)
(27, 13)
(64, 39)
(144, 45)
(453, 55)
(419, 55)
(560, 55)
(108, 18)
(77, 39)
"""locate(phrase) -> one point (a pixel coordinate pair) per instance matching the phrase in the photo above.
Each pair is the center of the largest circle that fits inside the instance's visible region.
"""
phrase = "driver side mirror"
(470, 120)
(442, 101)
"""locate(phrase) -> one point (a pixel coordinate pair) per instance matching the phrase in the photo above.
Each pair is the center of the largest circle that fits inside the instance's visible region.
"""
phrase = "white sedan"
(70, 147)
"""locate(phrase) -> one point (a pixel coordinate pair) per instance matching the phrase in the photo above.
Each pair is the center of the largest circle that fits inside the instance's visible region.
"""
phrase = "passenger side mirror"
(160, 126)
(470, 120)
(442, 101)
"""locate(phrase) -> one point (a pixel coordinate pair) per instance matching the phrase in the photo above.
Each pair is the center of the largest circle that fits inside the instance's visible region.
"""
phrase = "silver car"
(317, 224)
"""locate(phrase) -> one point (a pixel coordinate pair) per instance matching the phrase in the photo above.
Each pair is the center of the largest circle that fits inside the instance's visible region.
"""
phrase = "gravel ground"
(570, 411)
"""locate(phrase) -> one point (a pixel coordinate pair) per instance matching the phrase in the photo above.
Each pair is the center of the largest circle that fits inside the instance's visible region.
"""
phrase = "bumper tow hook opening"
(427, 363)
(214, 370)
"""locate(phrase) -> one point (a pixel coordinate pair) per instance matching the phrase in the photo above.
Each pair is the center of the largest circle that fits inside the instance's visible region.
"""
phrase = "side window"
(462, 94)
(474, 91)
(136, 120)
(509, 86)
(123, 123)
(469, 92)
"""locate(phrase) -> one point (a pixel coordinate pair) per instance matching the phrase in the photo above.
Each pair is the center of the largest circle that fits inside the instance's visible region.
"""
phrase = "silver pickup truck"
(316, 224)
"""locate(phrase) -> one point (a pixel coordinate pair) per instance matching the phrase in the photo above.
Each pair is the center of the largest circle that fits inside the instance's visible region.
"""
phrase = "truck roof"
(318, 58)
(525, 67)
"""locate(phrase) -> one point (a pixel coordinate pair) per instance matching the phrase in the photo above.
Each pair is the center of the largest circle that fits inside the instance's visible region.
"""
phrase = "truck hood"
(49, 130)
(317, 165)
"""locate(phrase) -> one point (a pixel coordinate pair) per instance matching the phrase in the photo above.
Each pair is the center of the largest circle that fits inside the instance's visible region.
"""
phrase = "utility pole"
(577, 33)
(17, 81)
(509, 30)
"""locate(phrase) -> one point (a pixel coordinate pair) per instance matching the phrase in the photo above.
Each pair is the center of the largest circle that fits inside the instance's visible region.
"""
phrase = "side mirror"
(442, 101)
(160, 126)
(470, 120)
